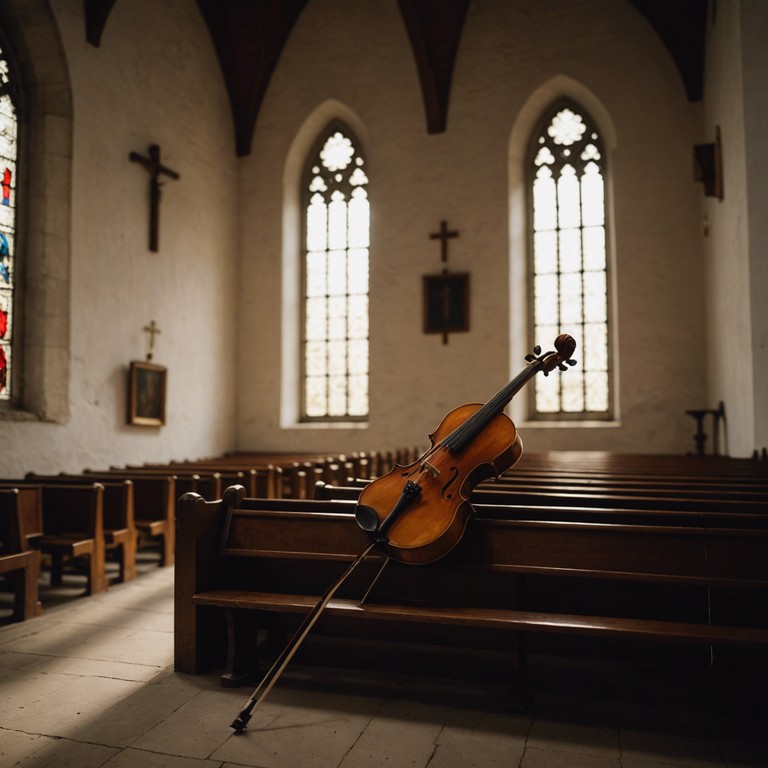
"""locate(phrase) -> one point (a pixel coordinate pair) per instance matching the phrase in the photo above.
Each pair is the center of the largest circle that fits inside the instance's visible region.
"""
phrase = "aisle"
(90, 683)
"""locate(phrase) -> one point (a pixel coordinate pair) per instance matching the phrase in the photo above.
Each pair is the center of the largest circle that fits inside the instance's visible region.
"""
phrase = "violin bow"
(270, 678)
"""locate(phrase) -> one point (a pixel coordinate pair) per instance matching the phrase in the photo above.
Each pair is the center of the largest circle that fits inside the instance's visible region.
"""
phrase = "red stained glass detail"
(3, 323)
(7, 186)
(3, 369)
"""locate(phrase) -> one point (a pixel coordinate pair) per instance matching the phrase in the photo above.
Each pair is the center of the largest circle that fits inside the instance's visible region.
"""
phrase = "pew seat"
(641, 629)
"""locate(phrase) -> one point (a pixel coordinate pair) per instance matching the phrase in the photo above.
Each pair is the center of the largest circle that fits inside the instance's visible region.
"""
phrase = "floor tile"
(63, 753)
(552, 758)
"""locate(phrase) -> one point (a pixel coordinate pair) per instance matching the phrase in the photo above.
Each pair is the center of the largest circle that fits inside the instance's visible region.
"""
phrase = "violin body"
(434, 521)
(417, 513)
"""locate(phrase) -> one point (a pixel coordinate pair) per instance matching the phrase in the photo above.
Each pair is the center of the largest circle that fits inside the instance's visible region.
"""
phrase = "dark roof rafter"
(434, 28)
(681, 25)
(96, 15)
(249, 36)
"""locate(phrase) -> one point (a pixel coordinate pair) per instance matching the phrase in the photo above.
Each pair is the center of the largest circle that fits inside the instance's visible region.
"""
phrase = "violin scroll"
(565, 346)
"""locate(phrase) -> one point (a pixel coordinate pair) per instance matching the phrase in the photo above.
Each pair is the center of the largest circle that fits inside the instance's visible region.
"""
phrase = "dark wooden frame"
(457, 320)
(708, 166)
(151, 413)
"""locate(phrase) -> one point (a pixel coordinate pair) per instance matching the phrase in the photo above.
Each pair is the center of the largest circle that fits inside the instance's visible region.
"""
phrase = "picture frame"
(147, 384)
(446, 302)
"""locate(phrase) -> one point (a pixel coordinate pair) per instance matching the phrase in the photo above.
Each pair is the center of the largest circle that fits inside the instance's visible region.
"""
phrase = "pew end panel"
(199, 632)
(19, 565)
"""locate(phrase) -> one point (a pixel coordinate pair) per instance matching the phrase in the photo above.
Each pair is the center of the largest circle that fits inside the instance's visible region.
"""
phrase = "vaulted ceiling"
(249, 36)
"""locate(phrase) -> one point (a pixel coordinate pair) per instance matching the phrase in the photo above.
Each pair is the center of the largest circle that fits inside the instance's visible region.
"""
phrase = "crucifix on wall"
(156, 169)
(443, 236)
(446, 296)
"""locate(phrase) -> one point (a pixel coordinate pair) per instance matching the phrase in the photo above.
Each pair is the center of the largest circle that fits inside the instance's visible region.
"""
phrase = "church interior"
(448, 307)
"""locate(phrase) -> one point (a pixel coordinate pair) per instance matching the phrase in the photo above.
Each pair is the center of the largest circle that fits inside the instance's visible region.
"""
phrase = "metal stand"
(700, 438)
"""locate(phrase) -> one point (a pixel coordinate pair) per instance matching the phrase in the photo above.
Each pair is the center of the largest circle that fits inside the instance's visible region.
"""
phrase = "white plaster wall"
(358, 54)
(154, 79)
(727, 247)
(754, 26)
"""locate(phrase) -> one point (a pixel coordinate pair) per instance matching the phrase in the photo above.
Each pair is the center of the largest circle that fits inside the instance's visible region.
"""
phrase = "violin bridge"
(426, 466)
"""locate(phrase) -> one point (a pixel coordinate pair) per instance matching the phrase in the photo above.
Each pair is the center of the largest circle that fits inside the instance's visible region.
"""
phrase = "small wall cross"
(152, 330)
(155, 169)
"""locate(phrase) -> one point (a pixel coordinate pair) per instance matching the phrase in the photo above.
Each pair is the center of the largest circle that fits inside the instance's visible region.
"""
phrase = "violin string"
(495, 405)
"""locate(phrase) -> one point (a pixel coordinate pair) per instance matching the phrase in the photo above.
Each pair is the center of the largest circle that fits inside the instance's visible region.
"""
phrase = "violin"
(418, 513)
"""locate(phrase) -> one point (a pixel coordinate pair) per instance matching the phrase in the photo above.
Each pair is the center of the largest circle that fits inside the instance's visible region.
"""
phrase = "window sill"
(327, 425)
(14, 414)
(568, 423)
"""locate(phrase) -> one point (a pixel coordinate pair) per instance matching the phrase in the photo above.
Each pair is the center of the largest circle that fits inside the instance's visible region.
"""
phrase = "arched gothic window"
(335, 280)
(8, 280)
(569, 264)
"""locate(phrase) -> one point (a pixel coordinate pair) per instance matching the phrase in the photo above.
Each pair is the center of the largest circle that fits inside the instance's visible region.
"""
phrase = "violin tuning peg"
(571, 362)
(537, 350)
(562, 367)
(546, 373)
(530, 358)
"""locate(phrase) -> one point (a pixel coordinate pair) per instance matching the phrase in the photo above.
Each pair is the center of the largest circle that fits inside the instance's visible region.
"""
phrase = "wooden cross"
(152, 164)
(443, 235)
(152, 330)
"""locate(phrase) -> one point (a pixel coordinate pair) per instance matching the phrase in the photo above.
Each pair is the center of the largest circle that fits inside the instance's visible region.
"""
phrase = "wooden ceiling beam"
(434, 28)
(248, 36)
(96, 15)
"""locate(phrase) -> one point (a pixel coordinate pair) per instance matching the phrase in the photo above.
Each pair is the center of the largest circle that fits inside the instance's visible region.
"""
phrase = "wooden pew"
(154, 498)
(245, 567)
(635, 498)
(120, 535)
(222, 475)
(651, 513)
(66, 521)
(73, 527)
(19, 564)
(608, 464)
(207, 483)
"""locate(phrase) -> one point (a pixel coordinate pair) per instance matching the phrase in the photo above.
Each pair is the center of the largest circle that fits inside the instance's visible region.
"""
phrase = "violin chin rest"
(367, 518)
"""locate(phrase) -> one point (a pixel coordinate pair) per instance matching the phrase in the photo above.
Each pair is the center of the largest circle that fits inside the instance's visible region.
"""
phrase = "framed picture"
(146, 394)
(446, 303)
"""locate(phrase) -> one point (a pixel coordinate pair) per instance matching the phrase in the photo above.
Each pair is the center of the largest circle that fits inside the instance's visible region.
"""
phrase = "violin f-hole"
(454, 475)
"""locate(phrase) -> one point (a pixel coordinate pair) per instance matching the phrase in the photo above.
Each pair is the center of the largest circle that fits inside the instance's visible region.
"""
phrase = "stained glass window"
(8, 156)
(569, 260)
(335, 339)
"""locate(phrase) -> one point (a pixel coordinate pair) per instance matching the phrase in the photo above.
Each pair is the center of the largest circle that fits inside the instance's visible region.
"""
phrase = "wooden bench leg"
(127, 555)
(97, 575)
(518, 698)
(168, 547)
(242, 656)
(25, 587)
(57, 569)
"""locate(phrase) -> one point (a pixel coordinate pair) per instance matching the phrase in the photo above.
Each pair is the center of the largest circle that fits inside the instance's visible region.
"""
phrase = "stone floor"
(91, 683)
